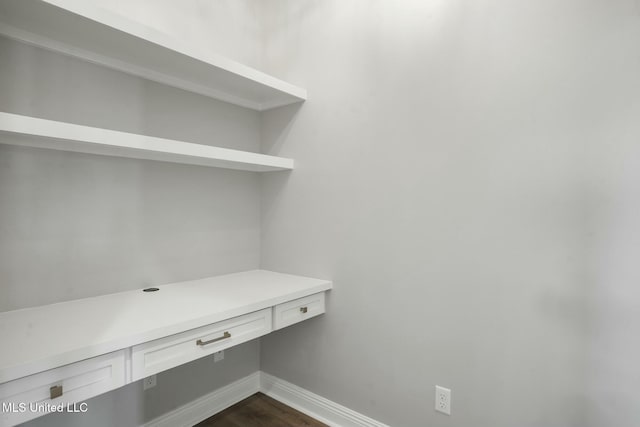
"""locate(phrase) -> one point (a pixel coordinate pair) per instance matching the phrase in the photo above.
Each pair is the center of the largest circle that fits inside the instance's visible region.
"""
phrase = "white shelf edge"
(104, 18)
(55, 135)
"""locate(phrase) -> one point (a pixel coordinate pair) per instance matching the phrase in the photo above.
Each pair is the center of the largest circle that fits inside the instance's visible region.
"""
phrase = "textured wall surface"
(75, 225)
(467, 173)
(232, 28)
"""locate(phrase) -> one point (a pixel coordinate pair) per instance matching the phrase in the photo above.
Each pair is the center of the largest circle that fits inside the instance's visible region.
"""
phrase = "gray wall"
(75, 225)
(232, 28)
(467, 173)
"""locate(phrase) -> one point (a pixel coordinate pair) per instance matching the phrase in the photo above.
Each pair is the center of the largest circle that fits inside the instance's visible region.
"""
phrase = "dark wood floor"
(260, 410)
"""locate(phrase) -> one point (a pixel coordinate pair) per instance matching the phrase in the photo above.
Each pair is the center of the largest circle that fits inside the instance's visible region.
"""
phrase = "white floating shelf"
(80, 29)
(33, 132)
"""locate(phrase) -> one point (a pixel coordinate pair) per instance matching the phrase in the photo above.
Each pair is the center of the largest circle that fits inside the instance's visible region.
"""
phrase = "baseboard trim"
(210, 404)
(318, 407)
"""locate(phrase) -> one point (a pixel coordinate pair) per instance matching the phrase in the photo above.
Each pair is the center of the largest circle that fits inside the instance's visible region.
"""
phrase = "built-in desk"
(71, 351)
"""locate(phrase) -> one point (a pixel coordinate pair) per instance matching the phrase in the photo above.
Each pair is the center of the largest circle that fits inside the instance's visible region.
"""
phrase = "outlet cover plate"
(443, 400)
(149, 382)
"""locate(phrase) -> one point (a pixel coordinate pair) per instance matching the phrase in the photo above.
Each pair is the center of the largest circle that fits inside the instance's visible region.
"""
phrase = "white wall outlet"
(218, 356)
(149, 382)
(443, 400)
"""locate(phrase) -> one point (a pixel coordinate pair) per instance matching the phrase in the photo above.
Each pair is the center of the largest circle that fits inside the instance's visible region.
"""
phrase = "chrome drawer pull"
(55, 391)
(223, 337)
(303, 310)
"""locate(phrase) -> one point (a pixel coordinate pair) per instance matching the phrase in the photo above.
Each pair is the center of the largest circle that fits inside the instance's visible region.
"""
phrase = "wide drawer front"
(165, 353)
(30, 397)
(298, 310)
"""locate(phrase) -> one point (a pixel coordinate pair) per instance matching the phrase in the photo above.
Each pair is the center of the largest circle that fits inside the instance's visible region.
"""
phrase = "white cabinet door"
(30, 397)
(165, 353)
(298, 310)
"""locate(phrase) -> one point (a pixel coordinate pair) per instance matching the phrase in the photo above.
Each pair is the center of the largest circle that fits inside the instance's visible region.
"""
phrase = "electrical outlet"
(443, 400)
(149, 382)
(218, 356)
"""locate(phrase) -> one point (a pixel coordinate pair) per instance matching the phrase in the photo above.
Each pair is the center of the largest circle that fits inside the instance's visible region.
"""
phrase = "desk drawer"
(30, 397)
(297, 310)
(165, 353)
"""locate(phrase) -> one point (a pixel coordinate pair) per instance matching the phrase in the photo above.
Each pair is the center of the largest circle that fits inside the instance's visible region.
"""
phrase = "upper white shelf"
(33, 132)
(80, 29)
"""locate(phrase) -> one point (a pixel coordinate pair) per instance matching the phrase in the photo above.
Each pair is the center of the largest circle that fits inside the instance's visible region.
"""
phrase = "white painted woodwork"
(80, 29)
(318, 407)
(166, 353)
(322, 409)
(47, 337)
(210, 404)
(298, 310)
(80, 381)
(34, 132)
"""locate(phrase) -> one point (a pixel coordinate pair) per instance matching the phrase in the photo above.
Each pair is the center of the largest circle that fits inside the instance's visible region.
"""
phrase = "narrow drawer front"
(165, 353)
(30, 397)
(298, 310)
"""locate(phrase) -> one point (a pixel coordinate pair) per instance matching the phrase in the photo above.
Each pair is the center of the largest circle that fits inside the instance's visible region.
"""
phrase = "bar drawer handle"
(55, 391)
(223, 337)
(303, 310)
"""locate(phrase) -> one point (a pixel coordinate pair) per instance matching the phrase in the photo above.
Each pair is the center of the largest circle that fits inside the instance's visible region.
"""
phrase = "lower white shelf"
(108, 341)
(28, 131)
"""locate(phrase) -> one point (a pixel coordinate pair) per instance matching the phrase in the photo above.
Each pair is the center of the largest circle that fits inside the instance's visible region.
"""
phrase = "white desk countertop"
(40, 338)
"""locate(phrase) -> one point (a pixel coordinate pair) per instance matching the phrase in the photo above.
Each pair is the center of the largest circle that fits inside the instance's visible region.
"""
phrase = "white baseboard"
(323, 410)
(318, 407)
(210, 404)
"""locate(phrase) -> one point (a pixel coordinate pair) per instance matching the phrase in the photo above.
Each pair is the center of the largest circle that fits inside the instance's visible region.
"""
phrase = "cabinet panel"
(165, 353)
(298, 310)
(30, 397)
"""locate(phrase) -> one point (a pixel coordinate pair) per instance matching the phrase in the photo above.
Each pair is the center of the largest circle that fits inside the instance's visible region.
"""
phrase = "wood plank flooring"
(260, 410)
